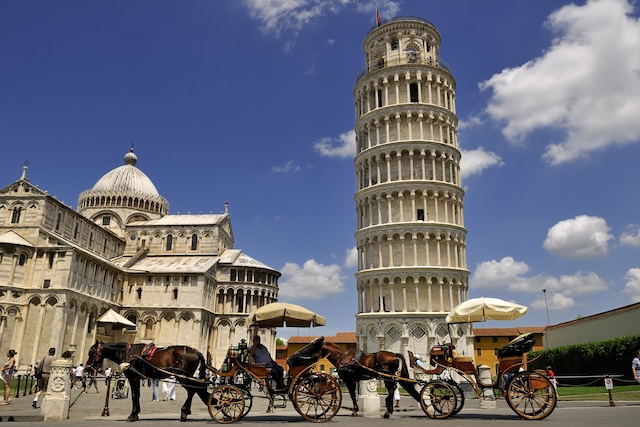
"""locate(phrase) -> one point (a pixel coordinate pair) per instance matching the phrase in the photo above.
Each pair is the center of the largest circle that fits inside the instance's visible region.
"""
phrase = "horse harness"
(350, 366)
(147, 351)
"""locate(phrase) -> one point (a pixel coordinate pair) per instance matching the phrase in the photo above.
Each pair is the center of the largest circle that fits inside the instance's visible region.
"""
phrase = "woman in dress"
(8, 369)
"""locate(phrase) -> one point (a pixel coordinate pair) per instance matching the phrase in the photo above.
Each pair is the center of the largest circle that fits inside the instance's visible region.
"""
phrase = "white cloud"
(351, 258)
(311, 281)
(290, 166)
(475, 161)
(555, 302)
(632, 286)
(582, 237)
(508, 274)
(631, 237)
(498, 274)
(572, 285)
(278, 16)
(591, 71)
(343, 146)
(471, 122)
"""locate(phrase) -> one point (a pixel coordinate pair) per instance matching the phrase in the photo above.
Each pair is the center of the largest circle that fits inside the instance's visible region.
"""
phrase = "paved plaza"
(89, 407)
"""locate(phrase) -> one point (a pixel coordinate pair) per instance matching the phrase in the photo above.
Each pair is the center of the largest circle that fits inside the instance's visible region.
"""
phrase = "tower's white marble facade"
(411, 239)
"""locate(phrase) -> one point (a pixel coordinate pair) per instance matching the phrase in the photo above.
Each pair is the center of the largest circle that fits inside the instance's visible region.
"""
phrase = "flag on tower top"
(378, 19)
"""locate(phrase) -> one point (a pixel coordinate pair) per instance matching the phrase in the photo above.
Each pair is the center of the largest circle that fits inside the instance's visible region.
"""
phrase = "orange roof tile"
(339, 338)
(505, 332)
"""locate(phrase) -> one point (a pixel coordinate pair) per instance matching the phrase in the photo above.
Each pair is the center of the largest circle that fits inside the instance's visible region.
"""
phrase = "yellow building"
(488, 340)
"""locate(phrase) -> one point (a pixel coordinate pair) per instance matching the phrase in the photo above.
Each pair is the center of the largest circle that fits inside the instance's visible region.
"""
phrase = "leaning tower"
(410, 233)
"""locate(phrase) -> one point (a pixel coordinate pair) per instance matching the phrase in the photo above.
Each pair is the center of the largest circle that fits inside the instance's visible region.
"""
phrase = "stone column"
(488, 400)
(55, 404)
(368, 400)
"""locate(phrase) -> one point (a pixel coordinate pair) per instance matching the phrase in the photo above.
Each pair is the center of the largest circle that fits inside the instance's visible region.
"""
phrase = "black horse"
(141, 361)
(353, 366)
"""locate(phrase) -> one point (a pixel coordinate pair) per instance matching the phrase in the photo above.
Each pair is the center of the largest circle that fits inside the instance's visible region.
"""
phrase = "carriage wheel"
(438, 399)
(531, 395)
(226, 404)
(459, 392)
(317, 397)
(248, 401)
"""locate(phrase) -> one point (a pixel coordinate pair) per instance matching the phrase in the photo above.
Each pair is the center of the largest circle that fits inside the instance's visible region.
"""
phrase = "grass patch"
(619, 392)
(625, 392)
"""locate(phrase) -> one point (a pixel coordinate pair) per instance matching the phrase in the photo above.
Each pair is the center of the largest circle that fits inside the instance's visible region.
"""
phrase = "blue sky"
(251, 102)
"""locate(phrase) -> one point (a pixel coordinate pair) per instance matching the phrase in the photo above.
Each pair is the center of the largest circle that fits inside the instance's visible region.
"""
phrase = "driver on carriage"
(260, 354)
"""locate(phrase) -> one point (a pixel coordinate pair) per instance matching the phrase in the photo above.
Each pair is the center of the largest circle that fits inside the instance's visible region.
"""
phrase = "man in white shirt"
(79, 374)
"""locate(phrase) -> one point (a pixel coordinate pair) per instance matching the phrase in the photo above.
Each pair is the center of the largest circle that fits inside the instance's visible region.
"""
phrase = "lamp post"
(544, 291)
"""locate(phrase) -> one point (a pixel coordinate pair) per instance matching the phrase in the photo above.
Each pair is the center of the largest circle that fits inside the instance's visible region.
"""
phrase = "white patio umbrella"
(481, 309)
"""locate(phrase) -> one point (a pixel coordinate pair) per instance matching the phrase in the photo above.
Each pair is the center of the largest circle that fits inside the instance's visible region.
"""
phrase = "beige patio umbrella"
(284, 314)
(116, 320)
(481, 309)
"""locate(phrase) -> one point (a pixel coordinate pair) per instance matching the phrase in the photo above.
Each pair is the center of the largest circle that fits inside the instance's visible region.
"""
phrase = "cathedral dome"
(126, 180)
(124, 191)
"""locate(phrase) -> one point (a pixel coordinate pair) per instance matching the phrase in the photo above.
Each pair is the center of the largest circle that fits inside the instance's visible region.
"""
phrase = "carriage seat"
(260, 370)
(457, 358)
(463, 363)
(419, 370)
(518, 346)
(308, 354)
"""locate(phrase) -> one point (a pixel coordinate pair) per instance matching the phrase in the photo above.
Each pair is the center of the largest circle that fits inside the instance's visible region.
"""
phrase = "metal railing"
(439, 63)
(401, 18)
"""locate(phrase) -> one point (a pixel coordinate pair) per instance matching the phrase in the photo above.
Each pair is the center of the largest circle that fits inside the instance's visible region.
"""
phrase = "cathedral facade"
(411, 239)
(177, 278)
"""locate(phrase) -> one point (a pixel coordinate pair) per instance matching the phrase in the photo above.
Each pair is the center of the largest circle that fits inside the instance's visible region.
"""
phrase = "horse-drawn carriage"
(529, 394)
(315, 395)
(227, 392)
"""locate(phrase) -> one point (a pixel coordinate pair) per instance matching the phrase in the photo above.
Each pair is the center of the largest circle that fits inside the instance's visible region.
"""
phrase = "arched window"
(194, 242)
(132, 318)
(413, 92)
(148, 330)
(22, 259)
(139, 292)
(175, 293)
(15, 217)
(169, 241)
(58, 221)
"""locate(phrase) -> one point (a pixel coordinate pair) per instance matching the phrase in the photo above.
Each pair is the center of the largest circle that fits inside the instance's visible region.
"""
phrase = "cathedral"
(173, 279)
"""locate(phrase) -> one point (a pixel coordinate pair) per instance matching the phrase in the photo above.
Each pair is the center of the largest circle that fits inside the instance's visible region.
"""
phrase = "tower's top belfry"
(400, 41)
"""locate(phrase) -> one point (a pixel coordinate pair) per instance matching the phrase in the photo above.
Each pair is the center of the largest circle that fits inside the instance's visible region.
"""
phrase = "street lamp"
(544, 291)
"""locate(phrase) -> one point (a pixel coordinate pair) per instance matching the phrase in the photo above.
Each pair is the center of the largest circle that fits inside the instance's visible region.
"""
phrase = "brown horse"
(353, 366)
(146, 361)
